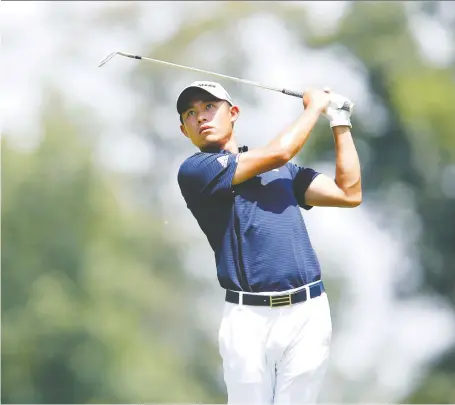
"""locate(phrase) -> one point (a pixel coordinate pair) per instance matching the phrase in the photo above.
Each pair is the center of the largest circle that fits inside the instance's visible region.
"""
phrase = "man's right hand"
(316, 98)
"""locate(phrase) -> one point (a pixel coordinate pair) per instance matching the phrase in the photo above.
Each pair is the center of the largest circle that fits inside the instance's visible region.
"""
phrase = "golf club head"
(107, 59)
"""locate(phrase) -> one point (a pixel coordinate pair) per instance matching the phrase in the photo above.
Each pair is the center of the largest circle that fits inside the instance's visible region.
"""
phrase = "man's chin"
(214, 141)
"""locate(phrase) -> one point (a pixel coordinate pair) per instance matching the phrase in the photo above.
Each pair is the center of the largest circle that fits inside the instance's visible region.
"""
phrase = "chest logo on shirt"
(223, 160)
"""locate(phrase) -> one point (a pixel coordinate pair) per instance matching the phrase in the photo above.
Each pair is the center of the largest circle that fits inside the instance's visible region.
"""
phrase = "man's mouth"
(204, 128)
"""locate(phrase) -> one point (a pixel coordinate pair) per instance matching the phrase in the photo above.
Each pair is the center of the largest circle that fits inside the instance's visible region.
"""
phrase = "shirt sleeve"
(207, 174)
(301, 179)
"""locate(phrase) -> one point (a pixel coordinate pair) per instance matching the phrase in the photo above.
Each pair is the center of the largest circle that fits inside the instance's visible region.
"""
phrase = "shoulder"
(292, 168)
(203, 160)
(295, 168)
(187, 174)
(195, 165)
(195, 160)
(189, 163)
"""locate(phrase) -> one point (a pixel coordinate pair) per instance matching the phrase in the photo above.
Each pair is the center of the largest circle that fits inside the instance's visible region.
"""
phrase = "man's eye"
(191, 113)
(209, 105)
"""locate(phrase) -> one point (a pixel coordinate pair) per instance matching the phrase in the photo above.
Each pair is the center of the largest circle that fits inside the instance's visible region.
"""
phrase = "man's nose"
(201, 117)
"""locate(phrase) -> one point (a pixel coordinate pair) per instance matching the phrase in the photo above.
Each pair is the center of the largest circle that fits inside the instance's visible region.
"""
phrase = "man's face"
(208, 121)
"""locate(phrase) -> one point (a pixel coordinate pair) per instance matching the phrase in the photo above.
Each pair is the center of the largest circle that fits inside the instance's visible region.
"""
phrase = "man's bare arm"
(346, 189)
(286, 145)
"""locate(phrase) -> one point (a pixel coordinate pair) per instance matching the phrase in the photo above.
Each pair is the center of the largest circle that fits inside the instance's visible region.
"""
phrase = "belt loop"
(240, 298)
(307, 289)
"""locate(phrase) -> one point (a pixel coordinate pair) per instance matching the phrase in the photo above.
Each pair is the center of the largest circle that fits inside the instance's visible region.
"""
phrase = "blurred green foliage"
(90, 313)
(90, 310)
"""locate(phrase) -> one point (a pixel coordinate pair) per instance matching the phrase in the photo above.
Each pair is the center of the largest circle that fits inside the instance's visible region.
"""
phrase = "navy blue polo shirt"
(255, 228)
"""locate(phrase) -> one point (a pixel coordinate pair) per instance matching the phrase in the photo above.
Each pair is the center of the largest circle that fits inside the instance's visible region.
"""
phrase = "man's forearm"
(348, 177)
(292, 138)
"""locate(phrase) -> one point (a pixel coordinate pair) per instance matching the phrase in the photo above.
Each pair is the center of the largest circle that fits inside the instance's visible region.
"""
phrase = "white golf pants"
(275, 355)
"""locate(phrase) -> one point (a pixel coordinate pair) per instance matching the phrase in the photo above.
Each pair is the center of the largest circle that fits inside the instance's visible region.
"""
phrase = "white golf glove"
(339, 111)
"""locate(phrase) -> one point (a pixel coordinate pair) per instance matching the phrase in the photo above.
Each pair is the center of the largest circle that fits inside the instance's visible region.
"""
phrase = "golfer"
(276, 329)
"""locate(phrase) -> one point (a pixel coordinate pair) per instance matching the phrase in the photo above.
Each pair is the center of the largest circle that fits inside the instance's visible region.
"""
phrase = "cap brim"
(186, 95)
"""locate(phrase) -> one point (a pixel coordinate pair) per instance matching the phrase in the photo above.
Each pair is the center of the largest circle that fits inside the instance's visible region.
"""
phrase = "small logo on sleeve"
(223, 160)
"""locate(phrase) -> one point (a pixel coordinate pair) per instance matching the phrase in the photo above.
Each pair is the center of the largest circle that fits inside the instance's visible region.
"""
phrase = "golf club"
(128, 55)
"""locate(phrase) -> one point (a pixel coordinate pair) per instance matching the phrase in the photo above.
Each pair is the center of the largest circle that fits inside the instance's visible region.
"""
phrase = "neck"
(230, 145)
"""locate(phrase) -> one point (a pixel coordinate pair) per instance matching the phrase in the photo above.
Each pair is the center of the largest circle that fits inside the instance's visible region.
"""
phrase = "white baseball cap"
(213, 88)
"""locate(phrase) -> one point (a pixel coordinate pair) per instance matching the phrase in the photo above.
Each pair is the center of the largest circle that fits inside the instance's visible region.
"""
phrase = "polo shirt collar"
(243, 148)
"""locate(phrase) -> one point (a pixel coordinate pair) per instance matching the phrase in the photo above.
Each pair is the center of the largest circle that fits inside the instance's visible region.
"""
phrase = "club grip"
(292, 93)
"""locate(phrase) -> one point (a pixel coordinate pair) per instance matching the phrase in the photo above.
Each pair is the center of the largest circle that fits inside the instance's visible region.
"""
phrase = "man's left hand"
(339, 111)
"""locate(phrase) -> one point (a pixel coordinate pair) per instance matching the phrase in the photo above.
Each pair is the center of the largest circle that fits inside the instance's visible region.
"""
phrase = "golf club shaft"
(284, 91)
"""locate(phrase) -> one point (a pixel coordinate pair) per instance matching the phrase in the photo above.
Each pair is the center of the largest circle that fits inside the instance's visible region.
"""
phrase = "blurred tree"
(94, 298)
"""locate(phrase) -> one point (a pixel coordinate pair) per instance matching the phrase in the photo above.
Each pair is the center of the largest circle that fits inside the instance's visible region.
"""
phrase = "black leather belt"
(276, 300)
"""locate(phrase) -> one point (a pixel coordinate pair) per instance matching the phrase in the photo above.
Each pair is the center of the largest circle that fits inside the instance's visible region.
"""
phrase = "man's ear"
(182, 128)
(235, 111)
